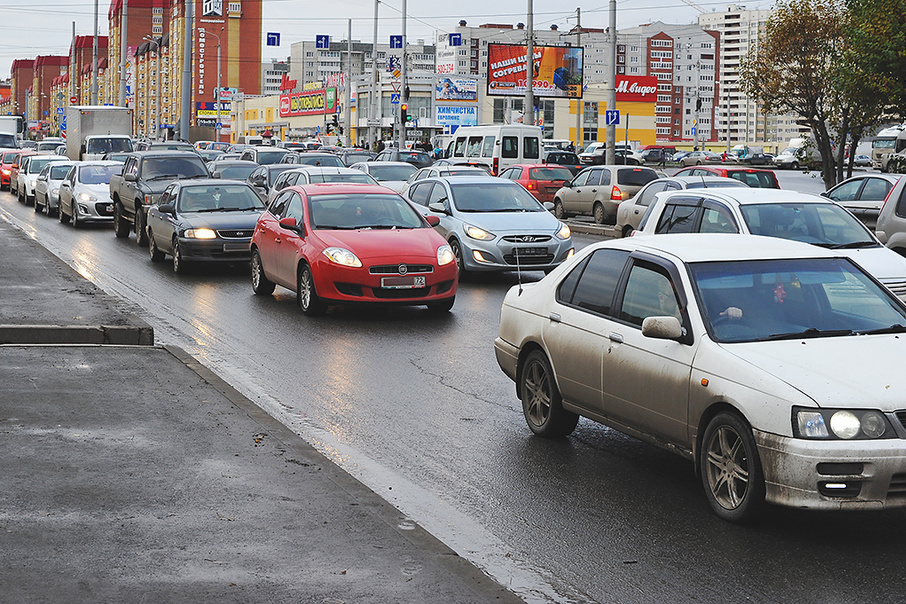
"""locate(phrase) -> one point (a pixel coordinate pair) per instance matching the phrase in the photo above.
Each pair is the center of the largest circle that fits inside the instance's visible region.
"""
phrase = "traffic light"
(336, 121)
(403, 117)
(329, 127)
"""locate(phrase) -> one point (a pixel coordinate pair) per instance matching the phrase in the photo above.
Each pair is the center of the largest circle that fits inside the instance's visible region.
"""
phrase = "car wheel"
(541, 402)
(698, 163)
(730, 469)
(153, 250)
(120, 226)
(442, 306)
(20, 196)
(559, 212)
(179, 264)
(261, 285)
(795, 165)
(75, 218)
(306, 295)
(141, 235)
(457, 253)
(627, 230)
(598, 212)
(35, 205)
(63, 216)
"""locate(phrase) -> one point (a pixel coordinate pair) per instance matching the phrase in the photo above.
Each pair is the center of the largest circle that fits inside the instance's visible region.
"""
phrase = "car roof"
(343, 188)
(207, 182)
(389, 163)
(165, 153)
(234, 162)
(698, 247)
(99, 162)
(467, 180)
(749, 196)
(686, 179)
(324, 170)
(536, 166)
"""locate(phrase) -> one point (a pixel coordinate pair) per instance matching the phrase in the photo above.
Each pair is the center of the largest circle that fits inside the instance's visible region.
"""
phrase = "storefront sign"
(636, 88)
(456, 115)
(317, 102)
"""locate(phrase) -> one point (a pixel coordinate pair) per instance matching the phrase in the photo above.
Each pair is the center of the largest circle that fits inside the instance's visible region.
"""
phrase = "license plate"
(530, 251)
(403, 282)
(235, 247)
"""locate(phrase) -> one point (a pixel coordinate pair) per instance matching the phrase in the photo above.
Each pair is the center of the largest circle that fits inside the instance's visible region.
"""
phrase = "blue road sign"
(396, 41)
(322, 42)
(694, 130)
(455, 39)
(63, 125)
(218, 126)
(394, 98)
(273, 38)
(612, 117)
(60, 110)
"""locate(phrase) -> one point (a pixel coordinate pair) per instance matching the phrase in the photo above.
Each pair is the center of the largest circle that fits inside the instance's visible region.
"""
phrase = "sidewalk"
(131, 472)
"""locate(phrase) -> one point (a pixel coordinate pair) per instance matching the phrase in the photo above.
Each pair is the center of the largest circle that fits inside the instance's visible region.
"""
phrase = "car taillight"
(616, 193)
(531, 185)
(495, 165)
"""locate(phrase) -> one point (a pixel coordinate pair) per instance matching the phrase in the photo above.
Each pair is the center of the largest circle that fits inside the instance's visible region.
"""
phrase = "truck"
(94, 130)
(12, 130)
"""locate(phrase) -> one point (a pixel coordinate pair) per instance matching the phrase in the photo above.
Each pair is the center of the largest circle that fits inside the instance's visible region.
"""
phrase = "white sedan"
(760, 360)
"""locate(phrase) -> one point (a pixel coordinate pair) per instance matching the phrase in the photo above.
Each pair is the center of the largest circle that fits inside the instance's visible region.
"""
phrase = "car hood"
(397, 245)
(510, 222)
(99, 191)
(882, 262)
(834, 372)
(222, 220)
(395, 185)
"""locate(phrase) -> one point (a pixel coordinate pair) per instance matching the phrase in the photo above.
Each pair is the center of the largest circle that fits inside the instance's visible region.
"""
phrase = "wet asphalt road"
(413, 404)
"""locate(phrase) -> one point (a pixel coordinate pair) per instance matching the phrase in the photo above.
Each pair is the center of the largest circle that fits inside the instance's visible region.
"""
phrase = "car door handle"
(616, 338)
(594, 190)
(635, 211)
(277, 240)
(555, 317)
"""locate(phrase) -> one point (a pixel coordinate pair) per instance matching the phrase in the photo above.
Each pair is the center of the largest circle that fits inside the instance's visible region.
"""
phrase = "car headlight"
(564, 232)
(840, 424)
(342, 256)
(87, 197)
(445, 255)
(54, 191)
(476, 233)
(6, 172)
(33, 182)
(199, 234)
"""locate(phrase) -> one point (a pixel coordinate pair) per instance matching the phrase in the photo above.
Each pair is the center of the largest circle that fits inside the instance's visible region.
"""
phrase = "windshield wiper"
(240, 209)
(163, 176)
(193, 176)
(851, 245)
(895, 328)
(811, 332)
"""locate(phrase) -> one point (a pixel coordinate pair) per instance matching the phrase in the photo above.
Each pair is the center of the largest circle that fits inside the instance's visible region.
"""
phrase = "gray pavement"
(132, 472)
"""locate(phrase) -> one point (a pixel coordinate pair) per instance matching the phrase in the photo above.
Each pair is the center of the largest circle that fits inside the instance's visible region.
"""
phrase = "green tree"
(878, 32)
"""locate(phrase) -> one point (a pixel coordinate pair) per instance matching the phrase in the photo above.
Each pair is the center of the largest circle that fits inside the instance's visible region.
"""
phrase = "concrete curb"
(135, 335)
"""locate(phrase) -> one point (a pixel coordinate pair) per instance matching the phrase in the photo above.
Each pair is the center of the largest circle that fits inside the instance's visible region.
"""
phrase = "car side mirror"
(548, 206)
(66, 184)
(437, 207)
(825, 194)
(432, 220)
(662, 328)
(130, 177)
(217, 174)
(568, 184)
(290, 224)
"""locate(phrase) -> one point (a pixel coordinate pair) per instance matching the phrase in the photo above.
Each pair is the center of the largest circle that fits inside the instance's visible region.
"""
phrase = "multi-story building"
(21, 75)
(144, 20)
(150, 109)
(40, 97)
(272, 73)
(685, 61)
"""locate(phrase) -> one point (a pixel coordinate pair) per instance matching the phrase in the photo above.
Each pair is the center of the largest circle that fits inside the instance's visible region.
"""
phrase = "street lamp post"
(217, 92)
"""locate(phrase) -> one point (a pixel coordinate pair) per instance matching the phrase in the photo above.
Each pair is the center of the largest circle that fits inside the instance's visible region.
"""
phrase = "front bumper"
(500, 254)
(93, 211)
(347, 285)
(216, 250)
(833, 475)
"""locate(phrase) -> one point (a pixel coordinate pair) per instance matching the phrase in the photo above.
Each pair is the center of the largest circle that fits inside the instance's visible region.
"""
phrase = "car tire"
(460, 261)
(261, 285)
(179, 264)
(306, 295)
(153, 250)
(35, 205)
(141, 235)
(627, 231)
(730, 469)
(598, 212)
(559, 212)
(541, 402)
(794, 165)
(120, 226)
(698, 163)
(75, 219)
(442, 306)
(63, 216)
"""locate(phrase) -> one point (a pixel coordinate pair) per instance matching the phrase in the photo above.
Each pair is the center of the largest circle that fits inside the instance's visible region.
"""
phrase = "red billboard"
(636, 88)
(557, 71)
(314, 102)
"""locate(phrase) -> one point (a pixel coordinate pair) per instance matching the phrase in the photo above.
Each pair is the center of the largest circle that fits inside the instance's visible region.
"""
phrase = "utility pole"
(611, 90)
(73, 81)
(94, 59)
(124, 50)
(348, 86)
(186, 99)
(373, 114)
(528, 111)
(217, 124)
(404, 92)
(580, 140)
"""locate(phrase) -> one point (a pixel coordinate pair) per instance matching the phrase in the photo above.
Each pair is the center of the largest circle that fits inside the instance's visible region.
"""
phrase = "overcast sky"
(44, 27)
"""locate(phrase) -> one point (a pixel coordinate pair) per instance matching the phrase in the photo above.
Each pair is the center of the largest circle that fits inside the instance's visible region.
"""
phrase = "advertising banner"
(557, 71)
(636, 88)
(456, 89)
(456, 115)
(315, 102)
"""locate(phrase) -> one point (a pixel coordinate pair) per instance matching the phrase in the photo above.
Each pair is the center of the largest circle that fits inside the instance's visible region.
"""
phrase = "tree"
(878, 33)
(806, 65)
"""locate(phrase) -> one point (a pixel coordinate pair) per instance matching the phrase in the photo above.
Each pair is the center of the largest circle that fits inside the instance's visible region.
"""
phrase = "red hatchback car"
(342, 243)
(754, 177)
(7, 159)
(541, 180)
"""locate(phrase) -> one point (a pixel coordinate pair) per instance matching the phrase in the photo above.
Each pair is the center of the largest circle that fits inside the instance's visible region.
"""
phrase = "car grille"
(528, 260)
(897, 485)
(236, 233)
(394, 269)
(898, 287)
(527, 238)
(104, 208)
(901, 415)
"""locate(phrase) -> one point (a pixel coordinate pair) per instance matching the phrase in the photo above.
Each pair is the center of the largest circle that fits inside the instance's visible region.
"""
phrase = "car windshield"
(360, 178)
(218, 198)
(37, 164)
(391, 172)
(162, 168)
(636, 177)
(10, 156)
(824, 224)
(357, 211)
(352, 158)
(235, 172)
(7, 140)
(793, 298)
(108, 145)
(550, 174)
(704, 184)
(48, 146)
(98, 175)
(756, 180)
(271, 157)
(59, 172)
(493, 197)
(321, 160)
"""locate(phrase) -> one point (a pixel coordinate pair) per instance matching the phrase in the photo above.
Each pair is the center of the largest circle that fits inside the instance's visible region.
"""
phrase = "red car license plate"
(403, 282)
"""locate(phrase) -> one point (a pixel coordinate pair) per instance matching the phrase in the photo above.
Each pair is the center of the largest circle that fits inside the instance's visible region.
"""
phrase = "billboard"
(456, 115)
(557, 71)
(455, 89)
(314, 102)
(636, 88)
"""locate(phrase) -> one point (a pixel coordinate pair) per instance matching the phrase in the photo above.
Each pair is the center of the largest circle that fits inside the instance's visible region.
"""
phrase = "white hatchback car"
(776, 213)
(755, 358)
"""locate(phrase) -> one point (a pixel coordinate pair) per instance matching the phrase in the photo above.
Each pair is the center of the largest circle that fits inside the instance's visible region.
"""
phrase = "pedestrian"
(662, 161)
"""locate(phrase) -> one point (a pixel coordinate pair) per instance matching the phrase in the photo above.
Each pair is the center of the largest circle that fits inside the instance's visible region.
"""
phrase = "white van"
(498, 146)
